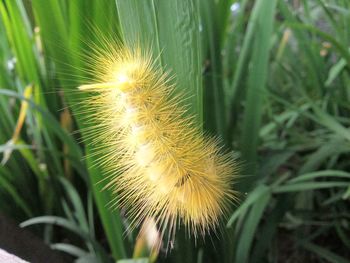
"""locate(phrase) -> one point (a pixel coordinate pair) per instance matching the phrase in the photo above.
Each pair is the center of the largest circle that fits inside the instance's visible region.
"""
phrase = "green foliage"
(271, 78)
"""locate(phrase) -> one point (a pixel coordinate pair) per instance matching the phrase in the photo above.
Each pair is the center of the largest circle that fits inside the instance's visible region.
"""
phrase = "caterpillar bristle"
(158, 161)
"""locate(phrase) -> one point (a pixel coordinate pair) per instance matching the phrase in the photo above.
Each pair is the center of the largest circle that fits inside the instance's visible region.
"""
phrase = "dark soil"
(24, 244)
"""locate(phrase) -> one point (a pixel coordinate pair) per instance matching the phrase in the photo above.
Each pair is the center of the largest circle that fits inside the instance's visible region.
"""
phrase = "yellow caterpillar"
(159, 162)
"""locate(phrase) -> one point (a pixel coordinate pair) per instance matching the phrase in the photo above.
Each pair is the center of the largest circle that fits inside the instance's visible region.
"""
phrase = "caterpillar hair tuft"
(158, 161)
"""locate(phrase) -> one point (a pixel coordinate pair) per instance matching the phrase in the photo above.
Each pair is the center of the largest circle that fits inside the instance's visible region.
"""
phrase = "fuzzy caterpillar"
(159, 163)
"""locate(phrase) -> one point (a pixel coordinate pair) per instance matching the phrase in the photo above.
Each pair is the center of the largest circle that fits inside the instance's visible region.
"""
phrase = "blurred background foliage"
(270, 77)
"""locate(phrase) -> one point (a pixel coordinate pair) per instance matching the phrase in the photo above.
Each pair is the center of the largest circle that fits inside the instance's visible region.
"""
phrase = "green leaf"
(334, 71)
(62, 222)
(138, 260)
(305, 186)
(8, 187)
(320, 174)
(171, 29)
(245, 242)
(69, 249)
(62, 44)
(324, 253)
(256, 84)
(75, 200)
(252, 198)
